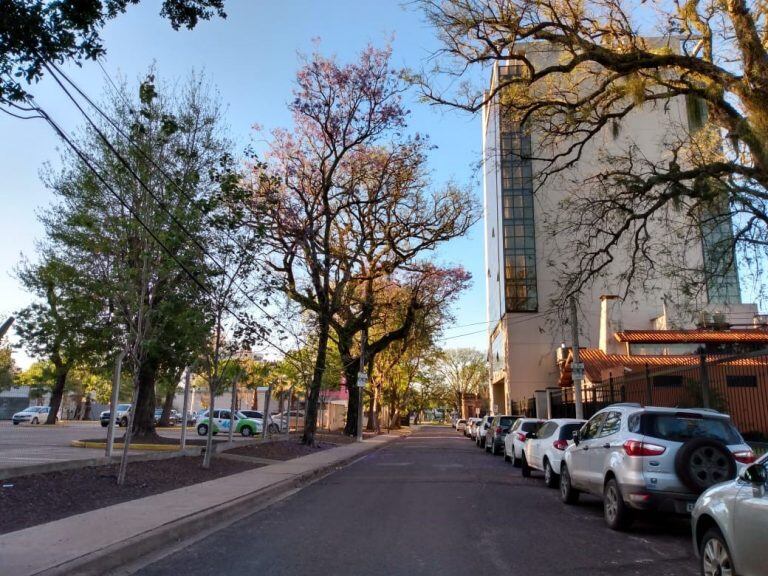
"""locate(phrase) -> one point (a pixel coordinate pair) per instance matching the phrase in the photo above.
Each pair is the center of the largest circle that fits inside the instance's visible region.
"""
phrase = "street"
(433, 503)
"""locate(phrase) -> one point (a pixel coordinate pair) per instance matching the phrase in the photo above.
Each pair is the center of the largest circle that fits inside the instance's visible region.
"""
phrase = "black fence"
(736, 385)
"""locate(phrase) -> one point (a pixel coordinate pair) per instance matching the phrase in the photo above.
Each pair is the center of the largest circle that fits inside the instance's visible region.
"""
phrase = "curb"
(119, 445)
(125, 552)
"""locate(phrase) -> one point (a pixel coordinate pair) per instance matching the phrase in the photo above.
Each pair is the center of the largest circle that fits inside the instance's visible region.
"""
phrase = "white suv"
(544, 448)
(641, 458)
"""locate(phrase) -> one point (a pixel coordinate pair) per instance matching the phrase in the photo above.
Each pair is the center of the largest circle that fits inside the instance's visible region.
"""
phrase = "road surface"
(434, 504)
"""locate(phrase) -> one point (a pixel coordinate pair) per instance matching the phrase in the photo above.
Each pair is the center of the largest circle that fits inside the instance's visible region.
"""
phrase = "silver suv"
(643, 458)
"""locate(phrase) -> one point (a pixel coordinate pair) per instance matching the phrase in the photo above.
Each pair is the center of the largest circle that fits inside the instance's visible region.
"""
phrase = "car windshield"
(567, 430)
(681, 427)
(123, 406)
(529, 426)
(507, 420)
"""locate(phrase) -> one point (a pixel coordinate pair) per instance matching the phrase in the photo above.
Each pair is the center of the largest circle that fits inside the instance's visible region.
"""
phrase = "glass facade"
(517, 219)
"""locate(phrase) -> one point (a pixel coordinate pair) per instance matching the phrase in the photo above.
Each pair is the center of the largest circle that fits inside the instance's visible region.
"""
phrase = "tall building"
(522, 251)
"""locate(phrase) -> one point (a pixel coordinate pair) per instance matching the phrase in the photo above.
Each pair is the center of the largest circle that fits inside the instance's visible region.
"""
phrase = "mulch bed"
(163, 440)
(41, 498)
(279, 449)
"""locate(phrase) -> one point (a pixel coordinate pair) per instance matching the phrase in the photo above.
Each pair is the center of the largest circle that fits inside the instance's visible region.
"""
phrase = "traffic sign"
(362, 379)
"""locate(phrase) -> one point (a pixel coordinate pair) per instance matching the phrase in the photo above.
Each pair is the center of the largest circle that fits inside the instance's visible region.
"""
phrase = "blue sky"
(251, 57)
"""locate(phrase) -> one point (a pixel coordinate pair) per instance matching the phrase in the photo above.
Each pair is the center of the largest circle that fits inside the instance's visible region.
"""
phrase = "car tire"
(246, 431)
(704, 462)
(525, 470)
(202, 430)
(506, 456)
(489, 447)
(714, 553)
(515, 459)
(568, 494)
(550, 478)
(35, 421)
(123, 422)
(618, 516)
(15, 423)
(273, 429)
(104, 424)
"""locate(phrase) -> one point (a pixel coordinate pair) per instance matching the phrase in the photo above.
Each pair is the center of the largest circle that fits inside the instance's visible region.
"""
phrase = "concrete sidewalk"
(105, 539)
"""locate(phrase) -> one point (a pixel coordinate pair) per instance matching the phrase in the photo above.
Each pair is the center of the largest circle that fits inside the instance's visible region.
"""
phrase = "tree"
(65, 326)
(337, 109)
(7, 366)
(133, 223)
(36, 32)
(712, 175)
(463, 372)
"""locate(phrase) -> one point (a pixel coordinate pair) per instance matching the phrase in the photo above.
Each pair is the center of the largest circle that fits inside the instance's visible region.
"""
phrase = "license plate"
(689, 506)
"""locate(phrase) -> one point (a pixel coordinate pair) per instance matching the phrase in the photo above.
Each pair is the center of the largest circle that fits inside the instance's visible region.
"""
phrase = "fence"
(737, 385)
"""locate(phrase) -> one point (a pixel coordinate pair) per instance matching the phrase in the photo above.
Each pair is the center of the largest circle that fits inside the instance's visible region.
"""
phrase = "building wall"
(532, 337)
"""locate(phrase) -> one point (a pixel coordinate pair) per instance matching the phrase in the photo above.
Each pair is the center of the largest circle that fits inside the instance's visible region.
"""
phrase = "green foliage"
(7, 367)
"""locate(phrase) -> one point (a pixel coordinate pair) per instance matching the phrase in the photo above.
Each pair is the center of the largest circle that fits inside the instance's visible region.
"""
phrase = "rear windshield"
(681, 428)
(566, 432)
(529, 426)
(507, 421)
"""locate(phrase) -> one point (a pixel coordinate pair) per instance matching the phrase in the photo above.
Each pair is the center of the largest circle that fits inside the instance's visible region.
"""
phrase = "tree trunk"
(351, 368)
(144, 416)
(255, 403)
(87, 408)
(57, 393)
(371, 425)
(310, 419)
(167, 406)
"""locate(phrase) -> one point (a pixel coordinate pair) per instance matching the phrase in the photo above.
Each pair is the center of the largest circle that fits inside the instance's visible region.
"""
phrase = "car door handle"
(606, 445)
(585, 448)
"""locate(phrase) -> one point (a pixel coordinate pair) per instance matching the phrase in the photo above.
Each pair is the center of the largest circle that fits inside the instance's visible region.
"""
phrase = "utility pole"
(577, 368)
(113, 403)
(185, 409)
(265, 426)
(362, 378)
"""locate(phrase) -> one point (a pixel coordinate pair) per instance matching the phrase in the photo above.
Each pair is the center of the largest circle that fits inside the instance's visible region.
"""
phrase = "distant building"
(519, 247)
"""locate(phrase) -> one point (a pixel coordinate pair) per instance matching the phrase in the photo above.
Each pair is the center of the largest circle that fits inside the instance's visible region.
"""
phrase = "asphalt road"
(433, 504)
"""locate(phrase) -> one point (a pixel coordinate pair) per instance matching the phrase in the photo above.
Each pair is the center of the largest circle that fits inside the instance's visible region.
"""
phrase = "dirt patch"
(163, 440)
(41, 498)
(279, 449)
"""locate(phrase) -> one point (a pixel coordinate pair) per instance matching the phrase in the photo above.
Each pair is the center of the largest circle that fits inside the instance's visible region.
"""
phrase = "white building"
(520, 246)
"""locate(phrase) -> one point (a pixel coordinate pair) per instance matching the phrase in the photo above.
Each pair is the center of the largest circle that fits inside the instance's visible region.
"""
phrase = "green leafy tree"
(7, 366)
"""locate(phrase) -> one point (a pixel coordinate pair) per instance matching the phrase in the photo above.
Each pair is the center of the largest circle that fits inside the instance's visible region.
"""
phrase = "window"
(547, 430)
(567, 430)
(667, 381)
(681, 427)
(530, 426)
(741, 381)
(592, 427)
(612, 424)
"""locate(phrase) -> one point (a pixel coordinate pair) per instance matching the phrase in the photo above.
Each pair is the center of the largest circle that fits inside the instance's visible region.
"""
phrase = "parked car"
(191, 418)
(221, 422)
(497, 432)
(274, 428)
(31, 415)
(122, 416)
(482, 428)
(461, 425)
(544, 448)
(730, 523)
(641, 458)
(471, 429)
(515, 439)
(172, 418)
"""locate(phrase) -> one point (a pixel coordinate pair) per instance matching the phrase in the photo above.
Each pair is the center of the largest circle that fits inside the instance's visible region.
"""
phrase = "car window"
(529, 426)
(567, 430)
(681, 427)
(611, 425)
(516, 425)
(546, 430)
(224, 414)
(506, 420)
(592, 427)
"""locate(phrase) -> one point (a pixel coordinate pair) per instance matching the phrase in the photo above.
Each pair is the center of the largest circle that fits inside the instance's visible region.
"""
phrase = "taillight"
(521, 436)
(560, 444)
(498, 429)
(745, 456)
(638, 448)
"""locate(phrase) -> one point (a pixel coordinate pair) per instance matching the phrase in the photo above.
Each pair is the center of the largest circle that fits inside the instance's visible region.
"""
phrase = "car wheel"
(246, 431)
(550, 478)
(515, 459)
(525, 470)
(618, 515)
(35, 421)
(568, 494)
(715, 556)
(506, 456)
(489, 447)
(704, 462)
(273, 429)
(123, 422)
(15, 423)
(104, 424)
(202, 430)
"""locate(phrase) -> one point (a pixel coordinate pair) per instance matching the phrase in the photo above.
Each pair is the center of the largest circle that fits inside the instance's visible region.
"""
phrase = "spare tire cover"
(704, 462)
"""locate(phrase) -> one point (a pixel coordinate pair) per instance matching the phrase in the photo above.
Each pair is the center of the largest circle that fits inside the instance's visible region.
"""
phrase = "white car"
(461, 425)
(730, 524)
(544, 448)
(514, 441)
(31, 415)
(471, 431)
(481, 428)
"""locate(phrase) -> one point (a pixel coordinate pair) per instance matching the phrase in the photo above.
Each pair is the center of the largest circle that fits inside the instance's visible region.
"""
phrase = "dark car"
(499, 428)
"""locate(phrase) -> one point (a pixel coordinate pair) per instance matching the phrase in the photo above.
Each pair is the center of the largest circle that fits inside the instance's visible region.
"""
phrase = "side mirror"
(576, 437)
(755, 474)
(530, 435)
